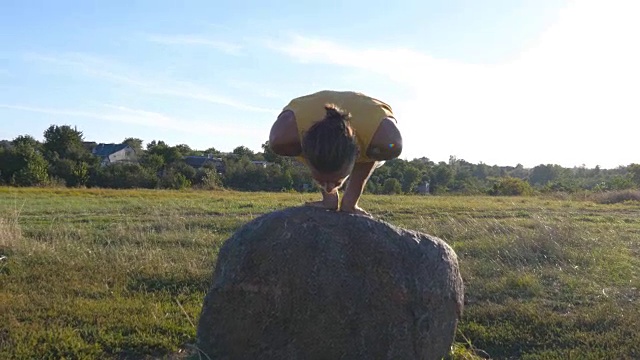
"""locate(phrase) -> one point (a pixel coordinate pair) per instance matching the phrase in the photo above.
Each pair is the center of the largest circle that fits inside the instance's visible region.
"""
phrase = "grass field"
(122, 274)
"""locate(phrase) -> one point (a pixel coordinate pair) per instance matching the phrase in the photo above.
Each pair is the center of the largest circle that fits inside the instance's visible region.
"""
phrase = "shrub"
(614, 197)
(174, 180)
(33, 174)
(208, 179)
(509, 186)
(124, 176)
(392, 186)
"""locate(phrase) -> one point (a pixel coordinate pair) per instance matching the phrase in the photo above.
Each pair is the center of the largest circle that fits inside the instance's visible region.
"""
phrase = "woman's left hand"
(355, 210)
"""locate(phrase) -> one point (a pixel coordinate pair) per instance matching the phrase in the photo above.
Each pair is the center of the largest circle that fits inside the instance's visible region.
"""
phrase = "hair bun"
(334, 112)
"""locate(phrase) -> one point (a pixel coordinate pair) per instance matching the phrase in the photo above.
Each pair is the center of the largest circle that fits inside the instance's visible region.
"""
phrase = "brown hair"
(330, 143)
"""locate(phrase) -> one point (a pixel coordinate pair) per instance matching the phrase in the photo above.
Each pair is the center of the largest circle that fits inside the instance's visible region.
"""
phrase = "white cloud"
(112, 71)
(261, 90)
(129, 116)
(191, 40)
(196, 92)
(84, 64)
(570, 99)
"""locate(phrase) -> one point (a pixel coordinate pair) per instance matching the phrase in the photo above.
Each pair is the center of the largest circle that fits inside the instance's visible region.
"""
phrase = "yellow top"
(366, 114)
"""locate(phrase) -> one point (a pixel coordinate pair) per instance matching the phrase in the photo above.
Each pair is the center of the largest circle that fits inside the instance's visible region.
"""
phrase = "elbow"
(393, 147)
(273, 139)
(396, 143)
(396, 149)
(277, 148)
(275, 143)
(386, 143)
(283, 137)
(386, 151)
(284, 148)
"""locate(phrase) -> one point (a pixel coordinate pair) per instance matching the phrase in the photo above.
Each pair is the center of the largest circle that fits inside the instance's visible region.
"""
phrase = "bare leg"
(357, 181)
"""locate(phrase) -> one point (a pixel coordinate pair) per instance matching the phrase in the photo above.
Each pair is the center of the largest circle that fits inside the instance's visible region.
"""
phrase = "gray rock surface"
(308, 283)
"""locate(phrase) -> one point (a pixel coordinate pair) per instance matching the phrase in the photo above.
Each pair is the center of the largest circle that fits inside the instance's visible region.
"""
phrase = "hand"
(355, 186)
(355, 210)
(329, 201)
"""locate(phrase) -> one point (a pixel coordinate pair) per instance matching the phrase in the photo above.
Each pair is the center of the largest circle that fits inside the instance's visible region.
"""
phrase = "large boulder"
(309, 283)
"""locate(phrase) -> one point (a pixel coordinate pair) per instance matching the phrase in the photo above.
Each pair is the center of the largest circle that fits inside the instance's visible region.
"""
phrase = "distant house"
(114, 153)
(260, 163)
(198, 162)
(89, 145)
(423, 188)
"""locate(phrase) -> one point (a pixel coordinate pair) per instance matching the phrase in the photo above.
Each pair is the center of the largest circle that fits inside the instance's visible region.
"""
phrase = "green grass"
(122, 274)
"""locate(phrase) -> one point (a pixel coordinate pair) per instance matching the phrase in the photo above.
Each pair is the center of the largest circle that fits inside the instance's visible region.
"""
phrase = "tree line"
(64, 158)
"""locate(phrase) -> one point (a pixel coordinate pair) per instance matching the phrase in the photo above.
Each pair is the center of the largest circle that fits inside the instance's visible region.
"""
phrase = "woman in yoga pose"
(338, 135)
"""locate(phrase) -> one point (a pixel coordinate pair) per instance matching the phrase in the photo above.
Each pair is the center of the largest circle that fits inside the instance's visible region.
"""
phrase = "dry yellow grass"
(114, 274)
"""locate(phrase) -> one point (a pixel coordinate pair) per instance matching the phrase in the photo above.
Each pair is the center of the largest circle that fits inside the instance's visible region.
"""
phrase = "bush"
(509, 186)
(208, 179)
(562, 186)
(34, 173)
(392, 186)
(614, 197)
(174, 180)
(616, 182)
(371, 187)
(124, 176)
(23, 165)
(183, 168)
(75, 173)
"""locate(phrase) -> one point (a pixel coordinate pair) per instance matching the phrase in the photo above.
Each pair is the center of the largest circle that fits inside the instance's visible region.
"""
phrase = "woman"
(337, 135)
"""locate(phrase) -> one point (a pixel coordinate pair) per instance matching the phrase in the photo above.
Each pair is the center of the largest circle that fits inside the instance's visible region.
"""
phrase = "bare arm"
(283, 138)
(355, 186)
(386, 143)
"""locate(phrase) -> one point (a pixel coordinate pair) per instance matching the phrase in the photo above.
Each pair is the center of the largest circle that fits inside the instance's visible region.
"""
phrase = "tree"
(135, 143)
(620, 182)
(441, 178)
(125, 176)
(34, 174)
(243, 151)
(212, 151)
(73, 172)
(634, 170)
(169, 154)
(80, 174)
(185, 150)
(372, 187)
(543, 174)
(153, 162)
(68, 159)
(410, 179)
(183, 168)
(25, 166)
(481, 171)
(174, 180)
(28, 141)
(391, 186)
(509, 186)
(519, 172)
(271, 156)
(5, 145)
(207, 178)
(63, 142)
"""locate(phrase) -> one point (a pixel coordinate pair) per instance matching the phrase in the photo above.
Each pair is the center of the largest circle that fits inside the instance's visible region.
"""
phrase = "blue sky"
(499, 82)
